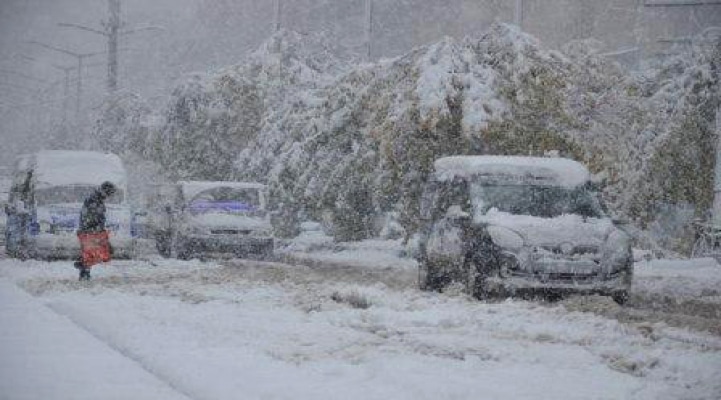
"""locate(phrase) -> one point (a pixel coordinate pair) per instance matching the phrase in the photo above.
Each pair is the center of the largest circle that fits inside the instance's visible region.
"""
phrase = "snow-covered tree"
(123, 125)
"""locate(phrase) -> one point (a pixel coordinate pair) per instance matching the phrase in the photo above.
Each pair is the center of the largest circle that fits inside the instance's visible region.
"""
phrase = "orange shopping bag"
(94, 247)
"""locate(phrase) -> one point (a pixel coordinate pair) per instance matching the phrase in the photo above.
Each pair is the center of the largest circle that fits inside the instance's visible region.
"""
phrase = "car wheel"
(431, 277)
(620, 297)
(484, 265)
(472, 281)
(184, 250)
(486, 290)
(183, 253)
(162, 243)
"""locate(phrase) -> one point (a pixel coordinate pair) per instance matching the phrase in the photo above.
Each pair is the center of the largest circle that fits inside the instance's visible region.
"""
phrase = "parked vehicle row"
(495, 225)
(187, 219)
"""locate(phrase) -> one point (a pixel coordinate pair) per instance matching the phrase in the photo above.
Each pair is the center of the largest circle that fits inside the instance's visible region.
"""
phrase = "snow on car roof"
(67, 167)
(191, 188)
(514, 169)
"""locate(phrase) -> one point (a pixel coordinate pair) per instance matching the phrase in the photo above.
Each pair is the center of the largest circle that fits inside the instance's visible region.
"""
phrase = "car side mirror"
(620, 221)
(456, 213)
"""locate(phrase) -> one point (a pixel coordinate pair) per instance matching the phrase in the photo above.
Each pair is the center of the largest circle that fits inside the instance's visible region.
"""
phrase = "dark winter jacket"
(92, 215)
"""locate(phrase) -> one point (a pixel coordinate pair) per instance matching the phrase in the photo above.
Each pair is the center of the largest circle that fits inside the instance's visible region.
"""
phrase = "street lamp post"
(518, 15)
(80, 57)
(277, 15)
(112, 32)
(716, 208)
(369, 28)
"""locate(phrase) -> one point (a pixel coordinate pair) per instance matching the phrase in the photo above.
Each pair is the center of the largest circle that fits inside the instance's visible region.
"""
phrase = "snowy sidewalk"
(44, 355)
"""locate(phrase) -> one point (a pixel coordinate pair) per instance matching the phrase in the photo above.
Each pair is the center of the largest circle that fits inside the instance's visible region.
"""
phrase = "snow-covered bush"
(371, 136)
(345, 142)
(124, 124)
(682, 93)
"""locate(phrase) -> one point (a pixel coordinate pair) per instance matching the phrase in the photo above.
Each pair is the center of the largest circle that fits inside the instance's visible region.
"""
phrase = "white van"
(46, 196)
(501, 225)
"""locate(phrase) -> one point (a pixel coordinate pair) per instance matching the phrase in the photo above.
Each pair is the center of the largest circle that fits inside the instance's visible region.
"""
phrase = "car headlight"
(616, 250)
(45, 227)
(505, 238)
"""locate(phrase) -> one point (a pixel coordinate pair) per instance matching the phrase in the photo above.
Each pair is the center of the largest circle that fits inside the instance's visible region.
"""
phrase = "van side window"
(453, 193)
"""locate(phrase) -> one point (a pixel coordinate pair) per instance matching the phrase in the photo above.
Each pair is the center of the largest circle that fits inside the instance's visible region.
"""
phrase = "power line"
(80, 57)
(112, 32)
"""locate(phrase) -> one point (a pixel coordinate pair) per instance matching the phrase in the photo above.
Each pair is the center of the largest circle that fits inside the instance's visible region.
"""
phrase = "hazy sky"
(204, 35)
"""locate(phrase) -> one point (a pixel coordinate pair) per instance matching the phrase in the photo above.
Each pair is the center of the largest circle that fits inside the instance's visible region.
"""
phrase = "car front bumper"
(599, 283)
(225, 244)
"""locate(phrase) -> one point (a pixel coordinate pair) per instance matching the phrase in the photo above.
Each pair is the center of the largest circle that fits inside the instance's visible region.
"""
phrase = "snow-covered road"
(252, 330)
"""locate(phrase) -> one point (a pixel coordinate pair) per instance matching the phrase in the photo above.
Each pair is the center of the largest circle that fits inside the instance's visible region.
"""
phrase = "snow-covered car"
(5, 182)
(205, 218)
(46, 195)
(503, 225)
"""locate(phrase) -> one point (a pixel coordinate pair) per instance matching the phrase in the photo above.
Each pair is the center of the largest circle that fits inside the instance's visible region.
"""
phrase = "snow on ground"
(680, 278)
(261, 330)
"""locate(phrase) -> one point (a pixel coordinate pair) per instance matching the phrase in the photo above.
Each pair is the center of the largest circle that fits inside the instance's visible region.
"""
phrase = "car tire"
(183, 254)
(429, 277)
(620, 297)
(484, 265)
(184, 250)
(162, 244)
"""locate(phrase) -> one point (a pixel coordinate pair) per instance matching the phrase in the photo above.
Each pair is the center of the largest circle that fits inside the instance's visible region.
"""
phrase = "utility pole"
(369, 29)
(518, 15)
(716, 208)
(80, 57)
(112, 31)
(277, 15)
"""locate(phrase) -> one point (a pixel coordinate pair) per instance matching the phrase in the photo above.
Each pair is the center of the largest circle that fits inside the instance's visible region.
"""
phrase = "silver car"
(510, 225)
(213, 218)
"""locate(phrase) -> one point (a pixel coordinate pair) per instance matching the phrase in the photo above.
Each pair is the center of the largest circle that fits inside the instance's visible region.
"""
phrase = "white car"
(504, 225)
(206, 218)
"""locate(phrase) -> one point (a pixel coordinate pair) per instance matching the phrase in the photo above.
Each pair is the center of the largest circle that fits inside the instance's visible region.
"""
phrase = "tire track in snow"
(694, 314)
(127, 353)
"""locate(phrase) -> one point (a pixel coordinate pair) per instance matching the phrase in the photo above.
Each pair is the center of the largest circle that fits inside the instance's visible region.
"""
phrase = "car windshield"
(71, 194)
(537, 201)
(226, 200)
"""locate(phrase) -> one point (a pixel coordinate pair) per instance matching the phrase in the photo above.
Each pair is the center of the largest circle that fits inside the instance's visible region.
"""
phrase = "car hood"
(537, 231)
(216, 220)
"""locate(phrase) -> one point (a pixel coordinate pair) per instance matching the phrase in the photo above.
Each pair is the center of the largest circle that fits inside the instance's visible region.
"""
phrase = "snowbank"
(262, 330)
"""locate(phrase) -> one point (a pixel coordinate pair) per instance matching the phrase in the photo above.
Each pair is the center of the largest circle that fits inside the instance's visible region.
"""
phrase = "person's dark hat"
(108, 189)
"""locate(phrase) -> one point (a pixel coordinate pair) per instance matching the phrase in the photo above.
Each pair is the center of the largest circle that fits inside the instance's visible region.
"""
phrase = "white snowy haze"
(331, 117)
(206, 35)
(302, 95)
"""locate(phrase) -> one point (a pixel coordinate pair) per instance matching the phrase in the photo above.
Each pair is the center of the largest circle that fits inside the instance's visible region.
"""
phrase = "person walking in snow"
(92, 233)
